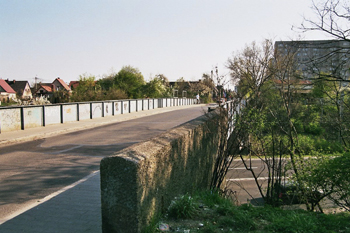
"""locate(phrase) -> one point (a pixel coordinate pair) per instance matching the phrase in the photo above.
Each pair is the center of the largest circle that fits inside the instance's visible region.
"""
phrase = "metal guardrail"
(231, 111)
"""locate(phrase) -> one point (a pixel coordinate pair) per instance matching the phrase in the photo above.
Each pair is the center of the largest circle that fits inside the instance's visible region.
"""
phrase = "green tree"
(130, 80)
(60, 96)
(267, 82)
(87, 89)
(157, 87)
(114, 94)
(203, 87)
(333, 103)
(328, 177)
(107, 82)
(256, 124)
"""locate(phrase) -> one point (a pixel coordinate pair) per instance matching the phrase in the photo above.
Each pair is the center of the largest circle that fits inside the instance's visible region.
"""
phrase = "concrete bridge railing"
(24, 117)
(142, 180)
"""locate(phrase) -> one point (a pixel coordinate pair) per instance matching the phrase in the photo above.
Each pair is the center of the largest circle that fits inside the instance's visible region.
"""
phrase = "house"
(6, 91)
(47, 89)
(183, 88)
(22, 88)
(73, 84)
(56, 92)
(44, 90)
(58, 84)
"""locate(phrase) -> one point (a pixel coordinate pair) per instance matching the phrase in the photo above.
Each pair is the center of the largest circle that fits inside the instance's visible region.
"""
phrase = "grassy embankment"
(208, 212)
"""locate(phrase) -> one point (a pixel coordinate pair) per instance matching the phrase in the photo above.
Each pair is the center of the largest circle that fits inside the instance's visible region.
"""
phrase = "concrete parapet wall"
(108, 109)
(84, 111)
(32, 117)
(24, 117)
(96, 110)
(10, 119)
(117, 108)
(142, 180)
(133, 106)
(69, 113)
(52, 114)
(125, 107)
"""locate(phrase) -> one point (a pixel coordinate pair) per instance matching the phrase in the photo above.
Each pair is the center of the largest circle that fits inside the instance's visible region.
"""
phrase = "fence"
(24, 117)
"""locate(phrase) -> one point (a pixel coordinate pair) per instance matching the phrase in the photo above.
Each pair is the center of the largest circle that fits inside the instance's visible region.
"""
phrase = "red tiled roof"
(63, 84)
(47, 88)
(74, 84)
(6, 87)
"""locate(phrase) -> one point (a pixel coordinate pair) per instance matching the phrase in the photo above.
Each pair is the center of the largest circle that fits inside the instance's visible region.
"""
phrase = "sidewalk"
(76, 208)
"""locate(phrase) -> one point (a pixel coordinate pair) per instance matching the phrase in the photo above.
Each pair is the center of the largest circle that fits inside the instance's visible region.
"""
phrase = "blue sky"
(177, 38)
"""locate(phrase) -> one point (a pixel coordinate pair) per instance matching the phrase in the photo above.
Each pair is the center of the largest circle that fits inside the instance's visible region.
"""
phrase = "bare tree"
(254, 70)
(229, 143)
(270, 85)
(333, 18)
(249, 68)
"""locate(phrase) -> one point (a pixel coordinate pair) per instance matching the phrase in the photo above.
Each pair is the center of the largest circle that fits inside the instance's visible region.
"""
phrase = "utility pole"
(35, 81)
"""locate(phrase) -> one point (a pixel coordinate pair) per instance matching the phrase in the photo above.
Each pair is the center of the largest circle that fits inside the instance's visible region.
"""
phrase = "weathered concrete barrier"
(140, 181)
(24, 117)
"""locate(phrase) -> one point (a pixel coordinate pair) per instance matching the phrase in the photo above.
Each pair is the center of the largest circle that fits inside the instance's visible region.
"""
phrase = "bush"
(330, 176)
(328, 147)
(313, 128)
(310, 145)
(306, 144)
(299, 126)
(212, 198)
(207, 99)
(223, 216)
(337, 175)
(182, 207)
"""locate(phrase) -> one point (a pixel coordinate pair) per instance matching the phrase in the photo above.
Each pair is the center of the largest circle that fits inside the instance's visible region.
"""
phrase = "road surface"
(32, 170)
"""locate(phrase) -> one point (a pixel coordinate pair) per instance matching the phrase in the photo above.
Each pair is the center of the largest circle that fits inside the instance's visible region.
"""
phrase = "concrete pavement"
(76, 208)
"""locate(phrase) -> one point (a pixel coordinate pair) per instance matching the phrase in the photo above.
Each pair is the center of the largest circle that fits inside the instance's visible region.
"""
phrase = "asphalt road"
(32, 170)
(240, 180)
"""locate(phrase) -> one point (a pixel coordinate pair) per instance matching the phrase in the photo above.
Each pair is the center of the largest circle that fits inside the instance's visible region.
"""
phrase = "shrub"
(306, 144)
(212, 198)
(299, 126)
(337, 175)
(182, 207)
(313, 128)
(328, 147)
